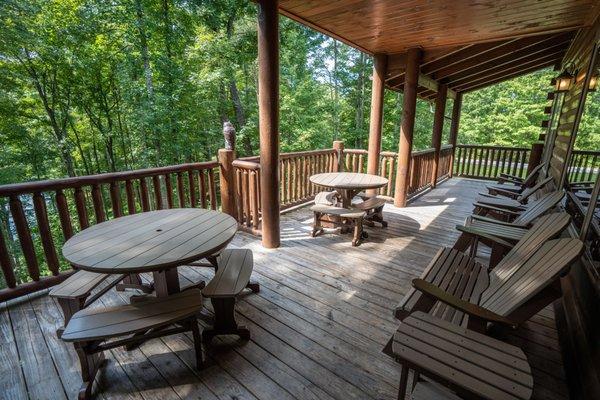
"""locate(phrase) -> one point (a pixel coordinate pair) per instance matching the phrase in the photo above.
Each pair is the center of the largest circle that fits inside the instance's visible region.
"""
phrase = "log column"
(376, 120)
(268, 110)
(438, 127)
(454, 128)
(227, 180)
(409, 107)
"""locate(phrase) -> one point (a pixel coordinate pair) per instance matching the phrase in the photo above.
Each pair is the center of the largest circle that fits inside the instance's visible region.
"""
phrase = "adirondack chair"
(502, 236)
(458, 289)
(524, 216)
(515, 183)
(512, 200)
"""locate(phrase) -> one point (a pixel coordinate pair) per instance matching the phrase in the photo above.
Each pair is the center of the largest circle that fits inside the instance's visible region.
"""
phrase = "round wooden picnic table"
(154, 241)
(348, 184)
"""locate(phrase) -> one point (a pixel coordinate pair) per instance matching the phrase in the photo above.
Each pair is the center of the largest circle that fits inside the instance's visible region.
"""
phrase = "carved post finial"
(229, 134)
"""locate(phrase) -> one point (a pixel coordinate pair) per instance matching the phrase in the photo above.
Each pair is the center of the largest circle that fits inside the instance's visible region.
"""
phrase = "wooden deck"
(318, 325)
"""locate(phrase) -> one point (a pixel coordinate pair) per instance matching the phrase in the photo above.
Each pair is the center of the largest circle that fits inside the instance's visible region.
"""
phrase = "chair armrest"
(470, 309)
(496, 221)
(497, 209)
(510, 178)
(476, 232)
(507, 193)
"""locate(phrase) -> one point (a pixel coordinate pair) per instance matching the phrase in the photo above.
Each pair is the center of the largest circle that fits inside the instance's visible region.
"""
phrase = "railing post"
(438, 126)
(535, 157)
(338, 165)
(409, 107)
(454, 130)
(227, 179)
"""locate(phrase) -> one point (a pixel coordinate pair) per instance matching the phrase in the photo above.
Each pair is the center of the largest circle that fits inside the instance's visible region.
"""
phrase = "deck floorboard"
(318, 325)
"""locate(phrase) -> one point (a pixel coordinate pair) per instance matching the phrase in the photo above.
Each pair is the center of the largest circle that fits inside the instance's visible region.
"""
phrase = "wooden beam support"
(492, 80)
(268, 109)
(438, 126)
(376, 121)
(456, 108)
(461, 55)
(408, 124)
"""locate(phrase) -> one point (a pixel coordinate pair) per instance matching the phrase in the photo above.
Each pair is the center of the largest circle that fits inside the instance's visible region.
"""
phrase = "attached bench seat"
(344, 217)
(373, 207)
(234, 268)
(72, 294)
(471, 364)
(90, 329)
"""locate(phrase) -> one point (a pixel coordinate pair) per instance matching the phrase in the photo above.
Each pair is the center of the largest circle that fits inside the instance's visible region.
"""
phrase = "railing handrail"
(421, 152)
(251, 165)
(587, 152)
(486, 146)
(85, 180)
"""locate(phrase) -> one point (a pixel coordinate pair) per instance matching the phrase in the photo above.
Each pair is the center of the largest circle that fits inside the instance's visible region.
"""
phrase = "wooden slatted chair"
(234, 268)
(528, 214)
(515, 184)
(338, 216)
(373, 207)
(92, 331)
(460, 290)
(75, 292)
(515, 201)
(502, 236)
(469, 363)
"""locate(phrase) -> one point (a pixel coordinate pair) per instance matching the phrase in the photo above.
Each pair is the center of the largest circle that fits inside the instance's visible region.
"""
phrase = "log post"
(409, 107)
(535, 157)
(438, 127)
(454, 129)
(268, 110)
(338, 164)
(227, 179)
(376, 120)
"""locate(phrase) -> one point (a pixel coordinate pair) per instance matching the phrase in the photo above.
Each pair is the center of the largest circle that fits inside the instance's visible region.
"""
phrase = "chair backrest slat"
(527, 193)
(544, 229)
(529, 179)
(535, 273)
(539, 207)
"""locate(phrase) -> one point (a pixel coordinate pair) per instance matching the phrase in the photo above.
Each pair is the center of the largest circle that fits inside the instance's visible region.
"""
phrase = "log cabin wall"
(578, 310)
(577, 59)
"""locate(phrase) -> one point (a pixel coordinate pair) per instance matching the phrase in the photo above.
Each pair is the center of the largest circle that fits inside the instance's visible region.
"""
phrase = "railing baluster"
(115, 199)
(41, 215)
(81, 208)
(144, 195)
(130, 197)
(63, 214)
(157, 192)
(239, 193)
(192, 188)
(213, 194)
(254, 199)
(202, 179)
(16, 209)
(180, 190)
(168, 190)
(98, 203)
(6, 263)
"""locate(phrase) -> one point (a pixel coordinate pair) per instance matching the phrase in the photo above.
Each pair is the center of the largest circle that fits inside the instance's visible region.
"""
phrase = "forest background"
(91, 86)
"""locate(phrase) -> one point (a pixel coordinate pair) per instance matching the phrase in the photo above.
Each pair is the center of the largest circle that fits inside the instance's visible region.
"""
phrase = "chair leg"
(403, 382)
(90, 363)
(317, 227)
(225, 323)
(197, 336)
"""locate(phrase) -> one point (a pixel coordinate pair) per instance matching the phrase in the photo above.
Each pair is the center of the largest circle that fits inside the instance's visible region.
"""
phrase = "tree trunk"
(144, 48)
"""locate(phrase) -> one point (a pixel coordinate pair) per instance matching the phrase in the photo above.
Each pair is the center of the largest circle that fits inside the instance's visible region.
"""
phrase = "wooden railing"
(584, 166)
(488, 162)
(40, 215)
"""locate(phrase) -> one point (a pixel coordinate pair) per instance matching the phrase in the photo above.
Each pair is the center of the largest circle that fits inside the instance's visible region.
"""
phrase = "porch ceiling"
(468, 45)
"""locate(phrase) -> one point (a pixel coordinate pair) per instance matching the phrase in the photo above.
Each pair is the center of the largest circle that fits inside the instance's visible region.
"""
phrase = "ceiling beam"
(509, 67)
(484, 64)
(461, 55)
(490, 82)
(497, 52)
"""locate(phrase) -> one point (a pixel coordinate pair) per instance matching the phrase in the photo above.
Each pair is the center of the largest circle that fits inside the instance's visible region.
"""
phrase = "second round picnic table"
(155, 241)
(348, 184)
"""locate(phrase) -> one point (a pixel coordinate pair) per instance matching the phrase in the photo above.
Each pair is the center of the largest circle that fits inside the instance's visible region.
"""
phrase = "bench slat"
(81, 283)
(233, 274)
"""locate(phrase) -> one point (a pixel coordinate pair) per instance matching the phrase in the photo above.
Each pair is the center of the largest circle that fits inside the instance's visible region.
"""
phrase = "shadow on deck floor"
(318, 325)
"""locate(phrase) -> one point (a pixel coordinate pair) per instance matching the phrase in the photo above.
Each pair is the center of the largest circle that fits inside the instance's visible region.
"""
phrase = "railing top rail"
(446, 147)
(356, 151)
(284, 156)
(422, 152)
(587, 152)
(78, 181)
(388, 154)
(246, 164)
(484, 146)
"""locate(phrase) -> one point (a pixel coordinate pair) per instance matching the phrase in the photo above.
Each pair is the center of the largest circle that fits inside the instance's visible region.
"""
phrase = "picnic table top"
(150, 241)
(348, 180)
